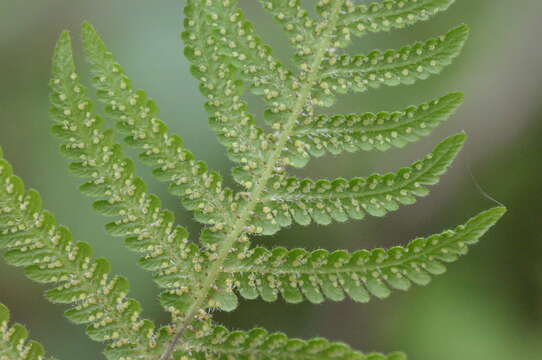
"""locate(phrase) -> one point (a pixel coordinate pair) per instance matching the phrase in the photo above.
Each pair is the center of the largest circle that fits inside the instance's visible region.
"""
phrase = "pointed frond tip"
(346, 73)
(298, 274)
(218, 343)
(14, 344)
(62, 57)
(324, 201)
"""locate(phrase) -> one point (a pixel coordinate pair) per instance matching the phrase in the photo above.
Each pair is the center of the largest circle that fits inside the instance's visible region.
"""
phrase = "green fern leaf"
(137, 116)
(345, 73)
(389, 14)
(228, 57)
(218, 343)
(299, 274)
(295, 21)
(232, 38)
(13, 341)
(369, 131)
(33, 239)
(324, 201)
(177, 264)
(217, 39)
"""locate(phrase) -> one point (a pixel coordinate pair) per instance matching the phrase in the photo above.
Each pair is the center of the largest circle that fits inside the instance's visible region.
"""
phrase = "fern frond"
(324, 201)
(299, 274)
(13, 341)
(137, 116)
(227, 56)
(218, 343)
(34, 240)
(370, 131)
(345, 73)
(389, 14)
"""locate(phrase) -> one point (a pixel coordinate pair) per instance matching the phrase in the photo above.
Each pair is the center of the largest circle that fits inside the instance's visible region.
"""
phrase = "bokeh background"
(487, 306)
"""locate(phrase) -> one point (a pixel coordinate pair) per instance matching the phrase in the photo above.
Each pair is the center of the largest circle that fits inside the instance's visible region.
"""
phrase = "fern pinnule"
(13, 341)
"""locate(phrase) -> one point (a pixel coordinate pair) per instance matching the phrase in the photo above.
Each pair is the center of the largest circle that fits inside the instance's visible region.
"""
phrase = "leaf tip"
(456, 97)
(87, 29)
(63, 53)
(456, 141)
(4, 314)
(460, 33)
(64, 40)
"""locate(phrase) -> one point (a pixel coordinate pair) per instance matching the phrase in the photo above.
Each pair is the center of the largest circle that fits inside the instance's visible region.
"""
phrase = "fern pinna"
(198, 276)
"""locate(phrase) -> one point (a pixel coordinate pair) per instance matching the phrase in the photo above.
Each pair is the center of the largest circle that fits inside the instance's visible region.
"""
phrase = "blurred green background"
(487, 306)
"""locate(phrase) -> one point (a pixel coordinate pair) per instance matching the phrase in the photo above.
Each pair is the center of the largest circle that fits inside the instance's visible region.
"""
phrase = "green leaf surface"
(218, 343)
(346, 73)
(387, 15)
(149, 229)
(32, 238)
(324, 201)
(138, 117)
(229, 57)
(14, 343)
(380, 131)
(299, 274)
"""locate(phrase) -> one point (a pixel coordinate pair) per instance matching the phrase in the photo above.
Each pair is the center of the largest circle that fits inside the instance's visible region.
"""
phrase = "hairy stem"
(256, 194)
